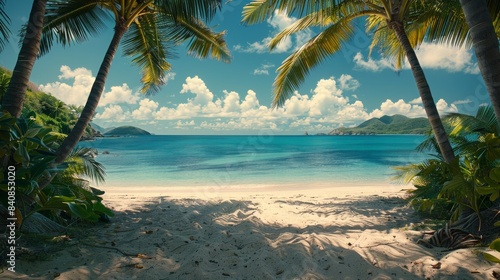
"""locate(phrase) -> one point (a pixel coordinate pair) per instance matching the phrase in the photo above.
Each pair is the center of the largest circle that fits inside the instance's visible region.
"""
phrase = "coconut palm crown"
(149, 29)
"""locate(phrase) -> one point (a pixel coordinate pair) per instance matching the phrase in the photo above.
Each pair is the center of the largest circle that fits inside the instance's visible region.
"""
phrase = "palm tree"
(16, 92)
(485, 40)
(336, 17)
(149, 28)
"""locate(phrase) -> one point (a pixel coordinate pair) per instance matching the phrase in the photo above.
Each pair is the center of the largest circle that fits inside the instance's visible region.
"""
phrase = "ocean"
(219, 161)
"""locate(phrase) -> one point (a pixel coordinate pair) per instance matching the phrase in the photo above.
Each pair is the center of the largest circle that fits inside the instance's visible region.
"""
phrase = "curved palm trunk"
(93, 100)
(485, 44)
(16, 92)
(425, 93)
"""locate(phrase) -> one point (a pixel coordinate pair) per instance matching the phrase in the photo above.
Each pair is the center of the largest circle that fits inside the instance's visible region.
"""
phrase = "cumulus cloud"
(197, 86)
(412, 109)
(430, 56)
(325, 107)
(77, 92)
(347, 82)
(278, 22)
(114, 113)
(147, 109)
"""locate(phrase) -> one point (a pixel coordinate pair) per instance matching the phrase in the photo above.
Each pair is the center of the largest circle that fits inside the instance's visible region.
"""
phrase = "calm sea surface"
(162, 160)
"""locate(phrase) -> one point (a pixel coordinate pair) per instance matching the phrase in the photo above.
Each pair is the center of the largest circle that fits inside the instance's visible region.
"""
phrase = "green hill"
(397, 124)
(126, 131)
(50, 111)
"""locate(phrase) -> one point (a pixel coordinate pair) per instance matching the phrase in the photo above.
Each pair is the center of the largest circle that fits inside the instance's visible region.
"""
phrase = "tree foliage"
(472, 181)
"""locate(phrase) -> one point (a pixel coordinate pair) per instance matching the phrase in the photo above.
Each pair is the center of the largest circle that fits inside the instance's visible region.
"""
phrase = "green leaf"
(32, 132)
(82, 211)
(23, 152)
(485, 190)
(492, 257)
(38, 141)
(495, 174)
(98, 207)
(494, 196)
(495, 245)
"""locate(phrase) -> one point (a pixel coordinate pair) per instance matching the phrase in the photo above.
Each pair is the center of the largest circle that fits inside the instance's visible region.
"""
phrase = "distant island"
(126, 131)
(397, 124)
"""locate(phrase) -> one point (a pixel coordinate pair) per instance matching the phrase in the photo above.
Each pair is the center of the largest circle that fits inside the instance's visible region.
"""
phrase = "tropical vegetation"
(397, 124)
(50, 112)
(29, 143)
(126, 130)
(467, 190)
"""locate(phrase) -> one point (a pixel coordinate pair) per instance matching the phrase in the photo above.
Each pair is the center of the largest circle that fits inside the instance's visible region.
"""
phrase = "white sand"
(249, 232)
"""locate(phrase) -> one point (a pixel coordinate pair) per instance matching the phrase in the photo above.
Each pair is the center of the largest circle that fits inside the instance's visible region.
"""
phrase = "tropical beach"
(278, 232)
(210, 139)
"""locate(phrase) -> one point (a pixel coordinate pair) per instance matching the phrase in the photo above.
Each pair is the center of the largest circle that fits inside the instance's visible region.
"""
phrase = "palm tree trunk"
(16, 92)
(93, 100)
(485, 43)
(425, 93)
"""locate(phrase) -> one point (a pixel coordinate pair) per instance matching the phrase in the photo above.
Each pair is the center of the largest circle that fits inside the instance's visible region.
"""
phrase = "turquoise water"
(161, 160)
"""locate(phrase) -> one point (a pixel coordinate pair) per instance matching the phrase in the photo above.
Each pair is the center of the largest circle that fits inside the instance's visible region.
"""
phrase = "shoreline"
(213, 191)
(272, 232)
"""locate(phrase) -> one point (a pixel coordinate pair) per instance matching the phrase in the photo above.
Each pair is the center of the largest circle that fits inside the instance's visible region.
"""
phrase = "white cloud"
(263, 69)
(452, 59)
(147, 109)
(197, 86)
(114, 113)
(370, 64)
(430, 56)
(324, 108)
(347, 82)
(78, 92)
(181, 124)
(231, 102)
(251, 102)
(278, 22)
(443, 107)
(413, 109)
(465, 101)
(119, 94)
(75, 93)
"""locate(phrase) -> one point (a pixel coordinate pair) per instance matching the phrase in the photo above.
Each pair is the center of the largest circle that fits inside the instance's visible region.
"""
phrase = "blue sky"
(211, 97)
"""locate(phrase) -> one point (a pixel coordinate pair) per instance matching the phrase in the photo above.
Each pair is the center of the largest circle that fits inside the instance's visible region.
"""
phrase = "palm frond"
(484, 122)
(259, 10)
(203, 41)
(71, 21)
(4, 25)
(295, 67)
(345, 11)
(202, 9)
(82, 163)
(446, 23)
(494, 9)
(319, 18)
(149, 49)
